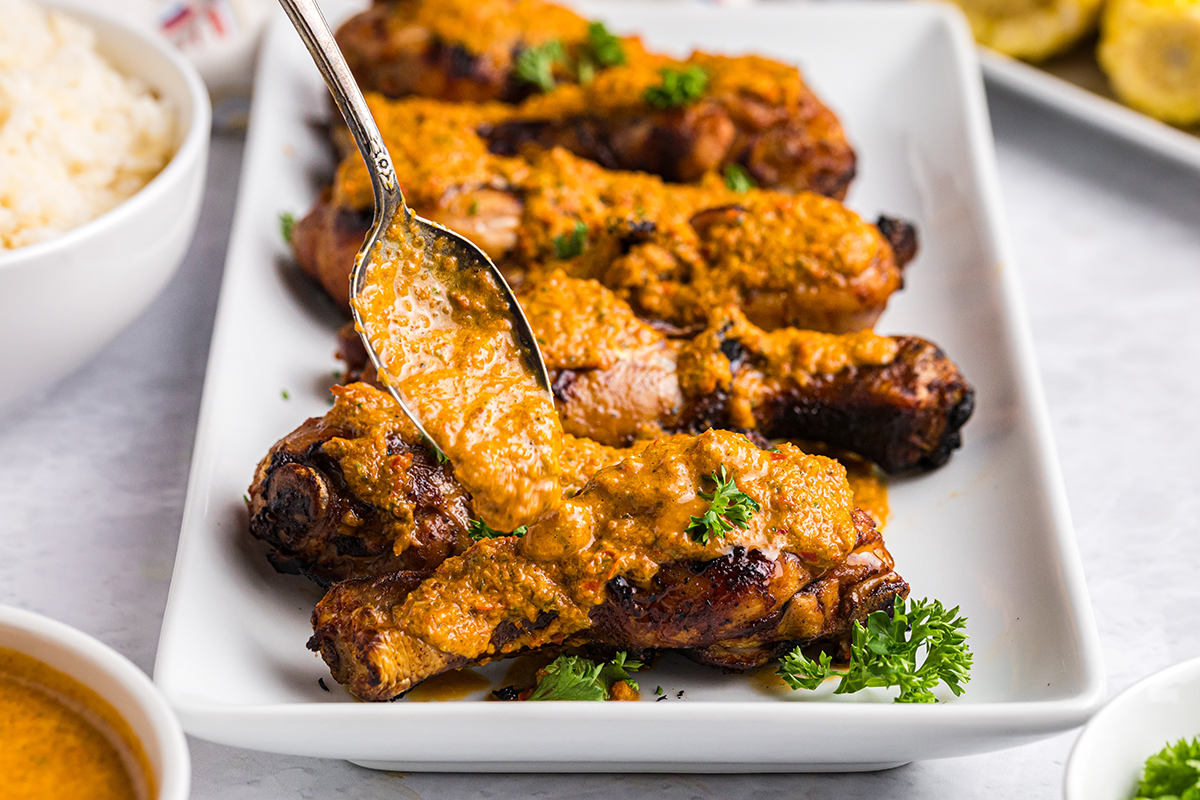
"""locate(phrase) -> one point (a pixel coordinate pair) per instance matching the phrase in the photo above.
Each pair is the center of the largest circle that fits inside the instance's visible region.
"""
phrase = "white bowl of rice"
(103, 149)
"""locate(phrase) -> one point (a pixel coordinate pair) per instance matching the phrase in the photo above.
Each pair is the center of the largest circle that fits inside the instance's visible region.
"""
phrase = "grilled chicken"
(672, 251)
(622, 564)
(744, 609)
(753, 112)
(453, 49)
(675, 253)
(896, 401)
(357, 493)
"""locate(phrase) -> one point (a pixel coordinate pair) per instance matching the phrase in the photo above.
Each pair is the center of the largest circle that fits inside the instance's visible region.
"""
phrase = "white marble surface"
(92, 476)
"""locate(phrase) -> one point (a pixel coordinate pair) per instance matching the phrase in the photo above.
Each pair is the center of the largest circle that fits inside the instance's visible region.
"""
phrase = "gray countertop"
(92, 476)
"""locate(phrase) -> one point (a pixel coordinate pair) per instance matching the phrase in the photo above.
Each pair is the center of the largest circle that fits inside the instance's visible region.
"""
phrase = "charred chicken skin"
(674, 252)
(621, 563)
(744, 609)
(896, 401)
(753, 112)
(358, 493)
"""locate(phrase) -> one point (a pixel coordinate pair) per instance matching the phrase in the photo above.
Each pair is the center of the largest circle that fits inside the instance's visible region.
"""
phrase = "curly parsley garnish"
(477, 529)
(287, 224)
(1173, 774)
(737, 179)
(728, 506)
(571, 244)
(578, 678)
(536, 64)
(885, 653)
(679, 87)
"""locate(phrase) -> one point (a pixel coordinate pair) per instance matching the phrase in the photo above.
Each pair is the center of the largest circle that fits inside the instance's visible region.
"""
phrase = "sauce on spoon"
(445, 341)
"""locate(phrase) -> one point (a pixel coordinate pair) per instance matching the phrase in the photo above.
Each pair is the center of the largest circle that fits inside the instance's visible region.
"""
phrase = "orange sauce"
(766, 253)
(870, 489)
(867, 481)
(765, 681)
(631, 518)
(447, 344)
(454, 685)
(59, 739)
(523, 670)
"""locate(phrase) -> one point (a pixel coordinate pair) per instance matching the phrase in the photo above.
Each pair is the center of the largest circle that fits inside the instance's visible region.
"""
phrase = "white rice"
(76, 136)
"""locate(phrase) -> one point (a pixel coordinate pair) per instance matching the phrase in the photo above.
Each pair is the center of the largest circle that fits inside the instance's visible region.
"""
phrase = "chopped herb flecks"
(287, 224)
(477, 529)
(737, 179)
(536, 64)
(601, 50)
(571, 244)
(605, 47)
(679, 87)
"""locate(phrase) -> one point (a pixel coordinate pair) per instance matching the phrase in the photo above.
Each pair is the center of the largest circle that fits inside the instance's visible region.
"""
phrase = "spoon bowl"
(389, 204)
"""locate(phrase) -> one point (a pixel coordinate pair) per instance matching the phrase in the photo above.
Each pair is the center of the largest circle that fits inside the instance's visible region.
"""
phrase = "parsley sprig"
(728, 506)
(287, 224)
(679, 87)
(478, 530)
(536, 64)
(1173, 774)
(571, 244)
(885, 653)
(605, 46)
(438, 453)
(602, 49)
(579, 678)
(737, 179)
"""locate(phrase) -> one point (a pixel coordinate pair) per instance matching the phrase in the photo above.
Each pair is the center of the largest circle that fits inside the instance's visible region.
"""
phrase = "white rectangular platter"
(990, 531)
(1074, 85)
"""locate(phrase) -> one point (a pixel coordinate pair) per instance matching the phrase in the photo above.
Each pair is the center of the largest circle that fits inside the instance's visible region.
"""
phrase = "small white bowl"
(1106, 762)
(117, 680)
(63, 299)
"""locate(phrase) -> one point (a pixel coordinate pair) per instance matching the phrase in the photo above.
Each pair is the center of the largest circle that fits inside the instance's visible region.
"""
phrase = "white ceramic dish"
(63, 299)
(1106, 762)
(117, 680)
(1066, 92)
(990, 531)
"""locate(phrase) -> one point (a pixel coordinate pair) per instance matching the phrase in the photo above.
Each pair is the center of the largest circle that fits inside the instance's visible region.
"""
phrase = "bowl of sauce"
(79, 720)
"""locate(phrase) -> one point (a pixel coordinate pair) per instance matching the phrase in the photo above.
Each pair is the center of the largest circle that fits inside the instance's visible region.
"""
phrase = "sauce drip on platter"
(454, 685)
(446, 344)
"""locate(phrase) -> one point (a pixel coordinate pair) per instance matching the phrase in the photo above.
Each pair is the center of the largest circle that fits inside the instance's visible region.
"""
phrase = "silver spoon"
(389, 200)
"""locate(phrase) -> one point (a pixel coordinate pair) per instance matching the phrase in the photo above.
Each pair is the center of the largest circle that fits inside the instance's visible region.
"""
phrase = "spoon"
(389, 200)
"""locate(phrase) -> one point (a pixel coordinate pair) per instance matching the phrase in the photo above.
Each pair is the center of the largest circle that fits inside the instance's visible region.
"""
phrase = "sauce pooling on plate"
(59, 739)
(446, 344)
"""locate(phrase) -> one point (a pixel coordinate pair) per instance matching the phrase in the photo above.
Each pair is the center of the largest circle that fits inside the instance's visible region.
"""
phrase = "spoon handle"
(315, 33)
